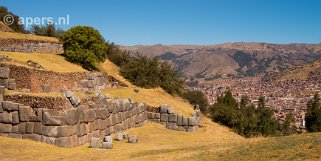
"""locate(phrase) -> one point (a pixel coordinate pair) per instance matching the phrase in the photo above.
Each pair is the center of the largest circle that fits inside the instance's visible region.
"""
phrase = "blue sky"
(131, 22)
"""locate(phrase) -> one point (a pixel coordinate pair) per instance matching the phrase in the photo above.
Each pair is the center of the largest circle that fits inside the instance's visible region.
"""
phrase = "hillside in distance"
(232, 59)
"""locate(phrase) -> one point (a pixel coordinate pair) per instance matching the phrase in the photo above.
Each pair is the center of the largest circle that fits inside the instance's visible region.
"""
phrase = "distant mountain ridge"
(232, 59)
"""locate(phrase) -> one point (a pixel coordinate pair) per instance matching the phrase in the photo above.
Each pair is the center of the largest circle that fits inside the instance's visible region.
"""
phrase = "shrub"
(313, 116)
(117, 56)
(84, 45)
(196, 98)
(48, 30)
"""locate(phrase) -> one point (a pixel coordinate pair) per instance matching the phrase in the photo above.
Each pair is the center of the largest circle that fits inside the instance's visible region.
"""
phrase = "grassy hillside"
(11, 35)
(213, 142)
(302, 73)
(52, 62)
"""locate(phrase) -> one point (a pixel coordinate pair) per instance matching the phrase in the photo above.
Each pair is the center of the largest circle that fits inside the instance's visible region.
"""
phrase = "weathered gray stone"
(185, 121)
(133, 139)
(29, 127)
(172, 118)
(4, 72)
(192, 121)
(15, 117)
(10, 106)
(24, 112)
(34, 137)
(5, 128)
(172, 126)
(157, 116)
(6, 117)
(90, 115)
(4, 82)
(170, 110)
(36, 116)
(163, 108)
(119, 136)
(94, 142)
(81, 129)
(64, 131)
(38, 128)
(22, 127)
(16, 136)
(102, 124)
(191, 129)
(179, 120)
(49, 119)
(125, 136)
(107, 145)
(46, 88)
(11, 84)
(81, 113)
(71, 116)
(164, 117)
(2, 89)
(74, 100)
(48, 140)
(108, 139)
(102, 113)
(67, 142)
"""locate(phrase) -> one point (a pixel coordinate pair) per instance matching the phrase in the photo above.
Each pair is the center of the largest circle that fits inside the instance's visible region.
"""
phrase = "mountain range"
(232, 59)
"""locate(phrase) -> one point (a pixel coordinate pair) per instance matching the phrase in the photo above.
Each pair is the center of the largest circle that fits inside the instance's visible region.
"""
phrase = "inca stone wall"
(41, 81)
(69, 127)
(166, 116)
(28, 46)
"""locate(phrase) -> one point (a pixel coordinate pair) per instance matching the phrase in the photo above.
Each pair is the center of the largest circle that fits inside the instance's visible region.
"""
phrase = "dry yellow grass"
(155, 143)
(50, 61)
(11, 35)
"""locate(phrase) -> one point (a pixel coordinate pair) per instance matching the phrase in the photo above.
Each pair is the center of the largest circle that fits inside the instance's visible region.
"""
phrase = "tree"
(267, 124)
(313, 116)
(47, 30)
(84, 45)
(16, 26)
(288, 127)
(172, 83)
(197, 98)
(117, 56)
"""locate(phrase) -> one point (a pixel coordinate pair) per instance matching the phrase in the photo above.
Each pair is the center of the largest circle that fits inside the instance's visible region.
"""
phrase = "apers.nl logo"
(29, 21)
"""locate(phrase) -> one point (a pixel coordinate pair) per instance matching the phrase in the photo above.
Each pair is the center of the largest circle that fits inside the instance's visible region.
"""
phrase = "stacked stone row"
(166, 116)
(5, 81)
(69, 127)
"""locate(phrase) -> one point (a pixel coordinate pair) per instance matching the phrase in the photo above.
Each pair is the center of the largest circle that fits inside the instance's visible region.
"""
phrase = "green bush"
(117, 56)
(245, 119)
(196, 98)
(48, 30)
(313, 116)
(150, 72)
(84, 45)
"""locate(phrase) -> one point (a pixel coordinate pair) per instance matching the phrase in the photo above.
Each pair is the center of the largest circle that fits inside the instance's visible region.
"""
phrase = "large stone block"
(48, 140)
(71, 116)
(90, 115)
(6, 117)
(16, 136)
(172, 118)
(157, 115)
(81, 113)
(172, 126)
(11, 84)
(29, 127)
(22, 128)
(192, 121)
(67, 142)
(102, 124)
(107, 145)
(102, 113)
(64, 131)
(4, 82)
(119, 136)
(179, 120)
(34, 137)
(133, 139)
(163, 108)
(81, 129)
(36, 115)
(15, 117)
(94, 142)
(5, 128)
(164, 117)
(170, 110)
(2, 89)
(191, 129)
(52, 117)
(10, 106)
(38, 128)
(185, 121)
(24, 113)
(4, 72)
(113, 120)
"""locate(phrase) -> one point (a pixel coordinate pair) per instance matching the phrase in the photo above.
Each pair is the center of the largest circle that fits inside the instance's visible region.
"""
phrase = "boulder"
(94, 142)
(46, 88)
(11, 84)
(10, 106)
(4, 72)
(107, 145)
(172, 118)
(170, 110)
(108, 139)
(119, 136)
(164, 117)
(133, 139)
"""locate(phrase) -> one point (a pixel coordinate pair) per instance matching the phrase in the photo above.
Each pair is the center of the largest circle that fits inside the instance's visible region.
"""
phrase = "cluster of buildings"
(282, 97)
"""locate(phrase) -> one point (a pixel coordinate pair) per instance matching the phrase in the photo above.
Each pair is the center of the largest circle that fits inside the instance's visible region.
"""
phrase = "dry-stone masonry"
(166, 116)
(72, 126)
(28, 46)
